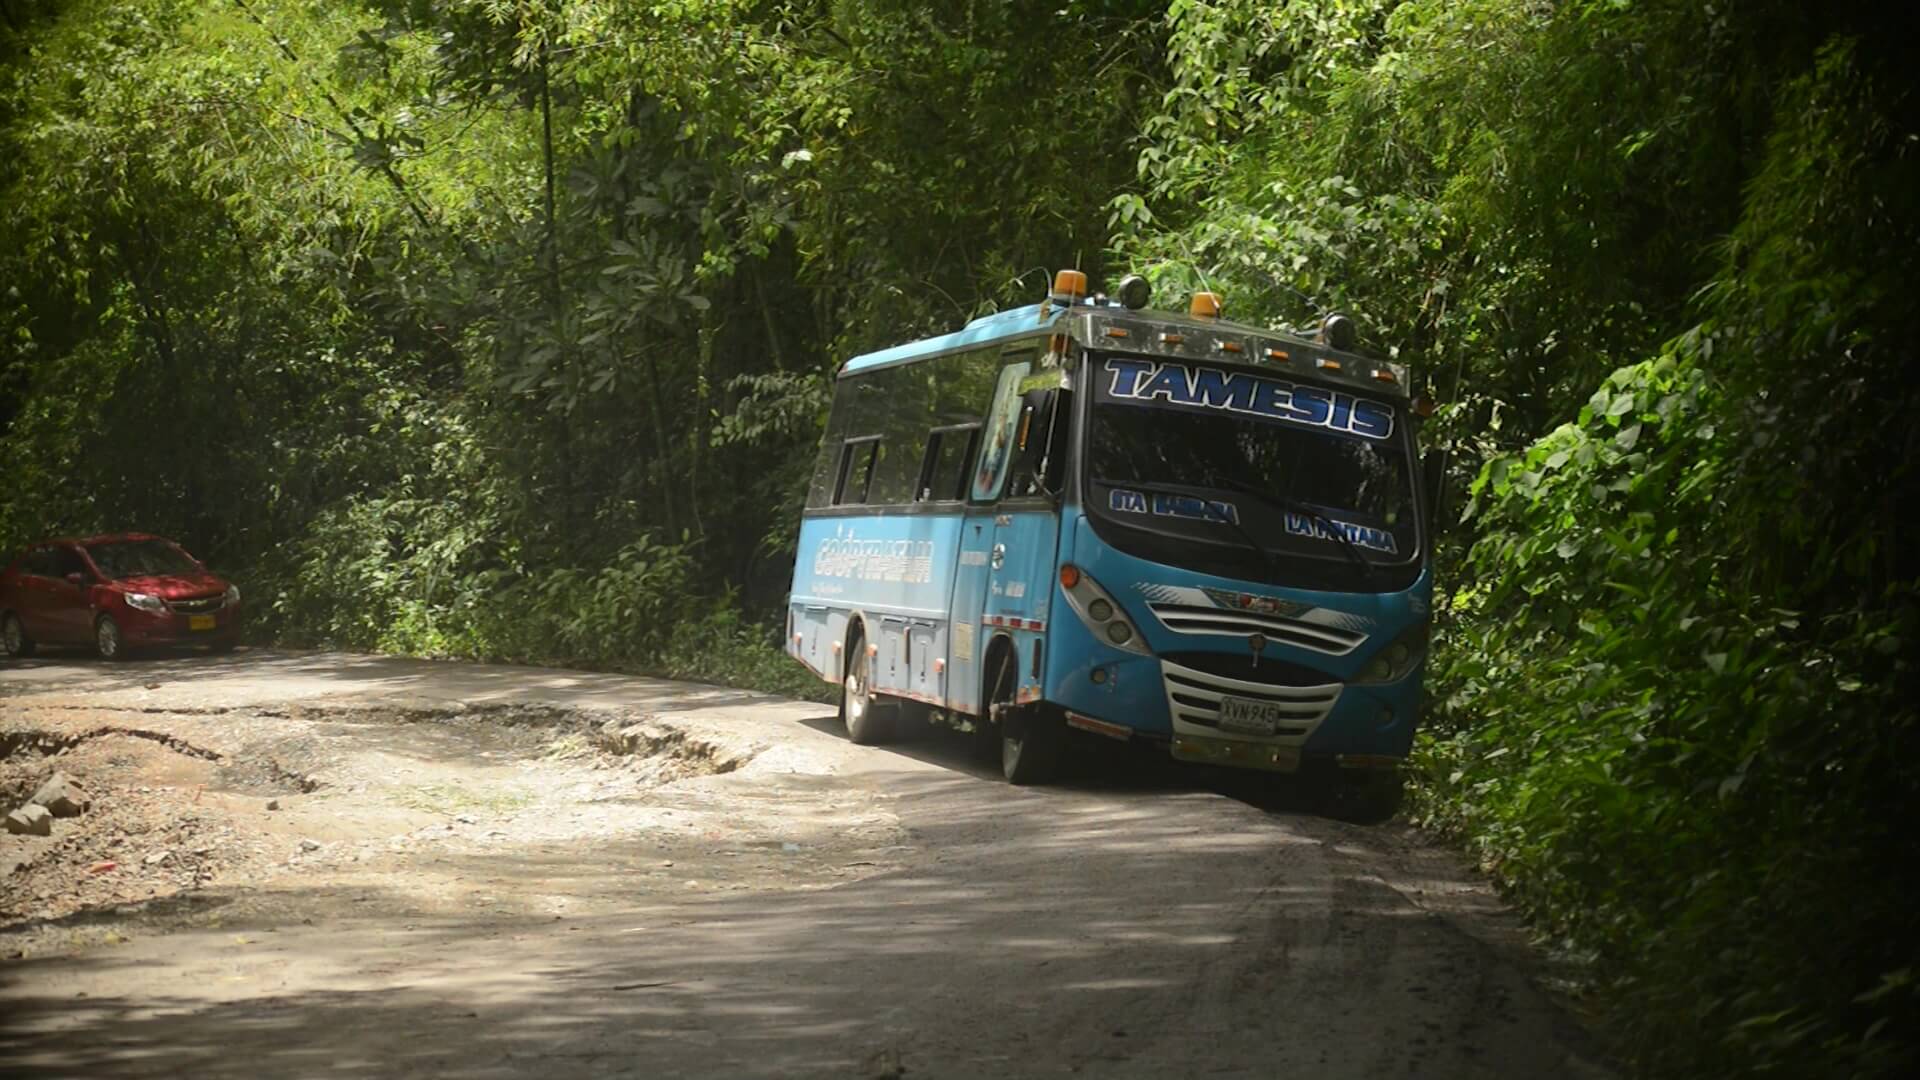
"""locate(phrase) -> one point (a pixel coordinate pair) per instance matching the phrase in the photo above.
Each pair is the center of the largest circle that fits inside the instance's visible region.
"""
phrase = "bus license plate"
(199, 622)
(1244, 716)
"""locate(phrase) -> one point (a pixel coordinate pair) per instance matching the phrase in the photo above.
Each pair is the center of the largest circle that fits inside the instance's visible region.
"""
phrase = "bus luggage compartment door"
(925, 676)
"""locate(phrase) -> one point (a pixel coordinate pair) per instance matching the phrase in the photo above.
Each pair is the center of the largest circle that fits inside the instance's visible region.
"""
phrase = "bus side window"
(1003, 429)
(856, 470)
(943, 475)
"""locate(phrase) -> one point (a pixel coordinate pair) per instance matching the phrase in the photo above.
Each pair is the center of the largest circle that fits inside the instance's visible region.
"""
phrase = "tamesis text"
(1180, 385)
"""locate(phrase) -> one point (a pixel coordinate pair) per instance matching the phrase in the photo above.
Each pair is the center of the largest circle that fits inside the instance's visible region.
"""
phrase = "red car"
(117, 593)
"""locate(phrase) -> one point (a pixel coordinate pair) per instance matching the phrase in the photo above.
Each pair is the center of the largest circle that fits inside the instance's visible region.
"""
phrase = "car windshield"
(1295, 469)
(140, 558)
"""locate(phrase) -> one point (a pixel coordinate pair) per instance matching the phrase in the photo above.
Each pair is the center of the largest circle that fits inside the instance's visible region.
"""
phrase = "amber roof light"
(1205, 305)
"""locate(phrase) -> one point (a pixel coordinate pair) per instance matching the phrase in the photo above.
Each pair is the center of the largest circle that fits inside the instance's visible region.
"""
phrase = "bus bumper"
(1240, 753)
(1362, 725)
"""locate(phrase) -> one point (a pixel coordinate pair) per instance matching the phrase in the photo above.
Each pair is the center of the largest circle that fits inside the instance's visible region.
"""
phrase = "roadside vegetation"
(502, 328)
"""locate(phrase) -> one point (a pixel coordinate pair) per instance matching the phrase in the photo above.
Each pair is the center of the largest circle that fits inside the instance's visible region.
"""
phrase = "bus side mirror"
(1034, 437)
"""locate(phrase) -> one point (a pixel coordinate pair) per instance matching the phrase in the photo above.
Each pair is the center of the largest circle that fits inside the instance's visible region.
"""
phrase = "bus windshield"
(1250, 476)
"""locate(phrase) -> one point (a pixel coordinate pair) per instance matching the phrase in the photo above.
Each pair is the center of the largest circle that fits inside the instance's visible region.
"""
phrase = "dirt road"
(306, 864)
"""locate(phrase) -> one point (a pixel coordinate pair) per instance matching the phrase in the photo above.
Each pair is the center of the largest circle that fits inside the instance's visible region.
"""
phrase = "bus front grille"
(1198, 619)
(1195, 698)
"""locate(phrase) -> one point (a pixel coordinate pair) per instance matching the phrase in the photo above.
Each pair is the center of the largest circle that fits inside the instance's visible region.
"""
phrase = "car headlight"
(1392, 663)
(232, 597)
(146, 602)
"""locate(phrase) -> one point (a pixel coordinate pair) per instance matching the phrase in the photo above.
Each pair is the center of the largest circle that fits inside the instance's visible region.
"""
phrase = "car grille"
(1193, 698)
(198, 605)
(1197, 619)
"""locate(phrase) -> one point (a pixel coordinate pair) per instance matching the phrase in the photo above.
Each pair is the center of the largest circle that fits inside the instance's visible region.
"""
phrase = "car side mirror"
(77, 578)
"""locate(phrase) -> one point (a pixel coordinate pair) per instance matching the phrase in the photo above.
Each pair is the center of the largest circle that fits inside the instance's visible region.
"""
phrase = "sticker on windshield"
(1321, 528)
(1191, 507)
(1151, 382)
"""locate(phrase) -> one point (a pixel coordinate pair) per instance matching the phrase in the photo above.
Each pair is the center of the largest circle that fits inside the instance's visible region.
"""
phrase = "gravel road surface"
(303, 864)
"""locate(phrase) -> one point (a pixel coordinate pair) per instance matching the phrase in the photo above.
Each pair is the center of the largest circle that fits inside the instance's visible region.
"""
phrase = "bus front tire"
(1032, 739)
(1365, 798)
(866, 723)
(1031, 745)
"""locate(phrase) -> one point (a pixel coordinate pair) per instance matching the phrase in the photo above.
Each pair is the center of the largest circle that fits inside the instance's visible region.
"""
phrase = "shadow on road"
(1053, 931)
(1125, 922)
(1095, 765)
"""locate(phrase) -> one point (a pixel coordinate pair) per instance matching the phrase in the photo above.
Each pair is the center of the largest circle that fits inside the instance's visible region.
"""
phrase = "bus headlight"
(1392, 663)
(1098, 611)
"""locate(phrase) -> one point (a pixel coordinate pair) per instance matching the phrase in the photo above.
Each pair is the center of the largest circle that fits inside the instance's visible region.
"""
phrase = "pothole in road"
(184, 799)
(30, 753)
(643, 741)
(32, 743)
(667, 752)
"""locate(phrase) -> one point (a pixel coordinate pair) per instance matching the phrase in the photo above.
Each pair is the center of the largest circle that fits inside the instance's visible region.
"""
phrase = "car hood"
(173, 586)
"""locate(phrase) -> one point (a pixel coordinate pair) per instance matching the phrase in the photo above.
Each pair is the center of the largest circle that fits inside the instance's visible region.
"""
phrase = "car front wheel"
(107, 640)
(14, 636)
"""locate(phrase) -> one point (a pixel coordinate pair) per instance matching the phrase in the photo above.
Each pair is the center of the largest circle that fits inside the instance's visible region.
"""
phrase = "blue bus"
(1085, 514)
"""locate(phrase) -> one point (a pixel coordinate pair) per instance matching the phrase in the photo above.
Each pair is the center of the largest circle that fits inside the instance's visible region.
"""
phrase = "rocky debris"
(273, 804)
(63, 796)
(31, 820)
(132, 846)
(309, 845)
(670, 749)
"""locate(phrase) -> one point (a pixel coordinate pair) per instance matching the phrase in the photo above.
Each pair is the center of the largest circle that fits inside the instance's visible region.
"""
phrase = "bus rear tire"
(867, 723)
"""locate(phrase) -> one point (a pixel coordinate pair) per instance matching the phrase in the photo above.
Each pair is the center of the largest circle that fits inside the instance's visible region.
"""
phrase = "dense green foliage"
(501, 328)
(1656, 255)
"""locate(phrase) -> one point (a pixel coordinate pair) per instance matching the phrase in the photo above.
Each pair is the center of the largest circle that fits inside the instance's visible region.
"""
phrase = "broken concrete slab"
(63, 796)
(31, 820)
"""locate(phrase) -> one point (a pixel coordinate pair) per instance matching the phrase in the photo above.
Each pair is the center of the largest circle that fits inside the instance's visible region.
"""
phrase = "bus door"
(1010, 534)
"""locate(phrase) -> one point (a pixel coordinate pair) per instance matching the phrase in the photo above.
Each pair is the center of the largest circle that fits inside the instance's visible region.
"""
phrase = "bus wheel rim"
(856, 697)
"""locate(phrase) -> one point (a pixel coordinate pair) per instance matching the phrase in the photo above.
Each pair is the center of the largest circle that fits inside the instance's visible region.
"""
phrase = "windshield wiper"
(1287, 503)
(1266, 552)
